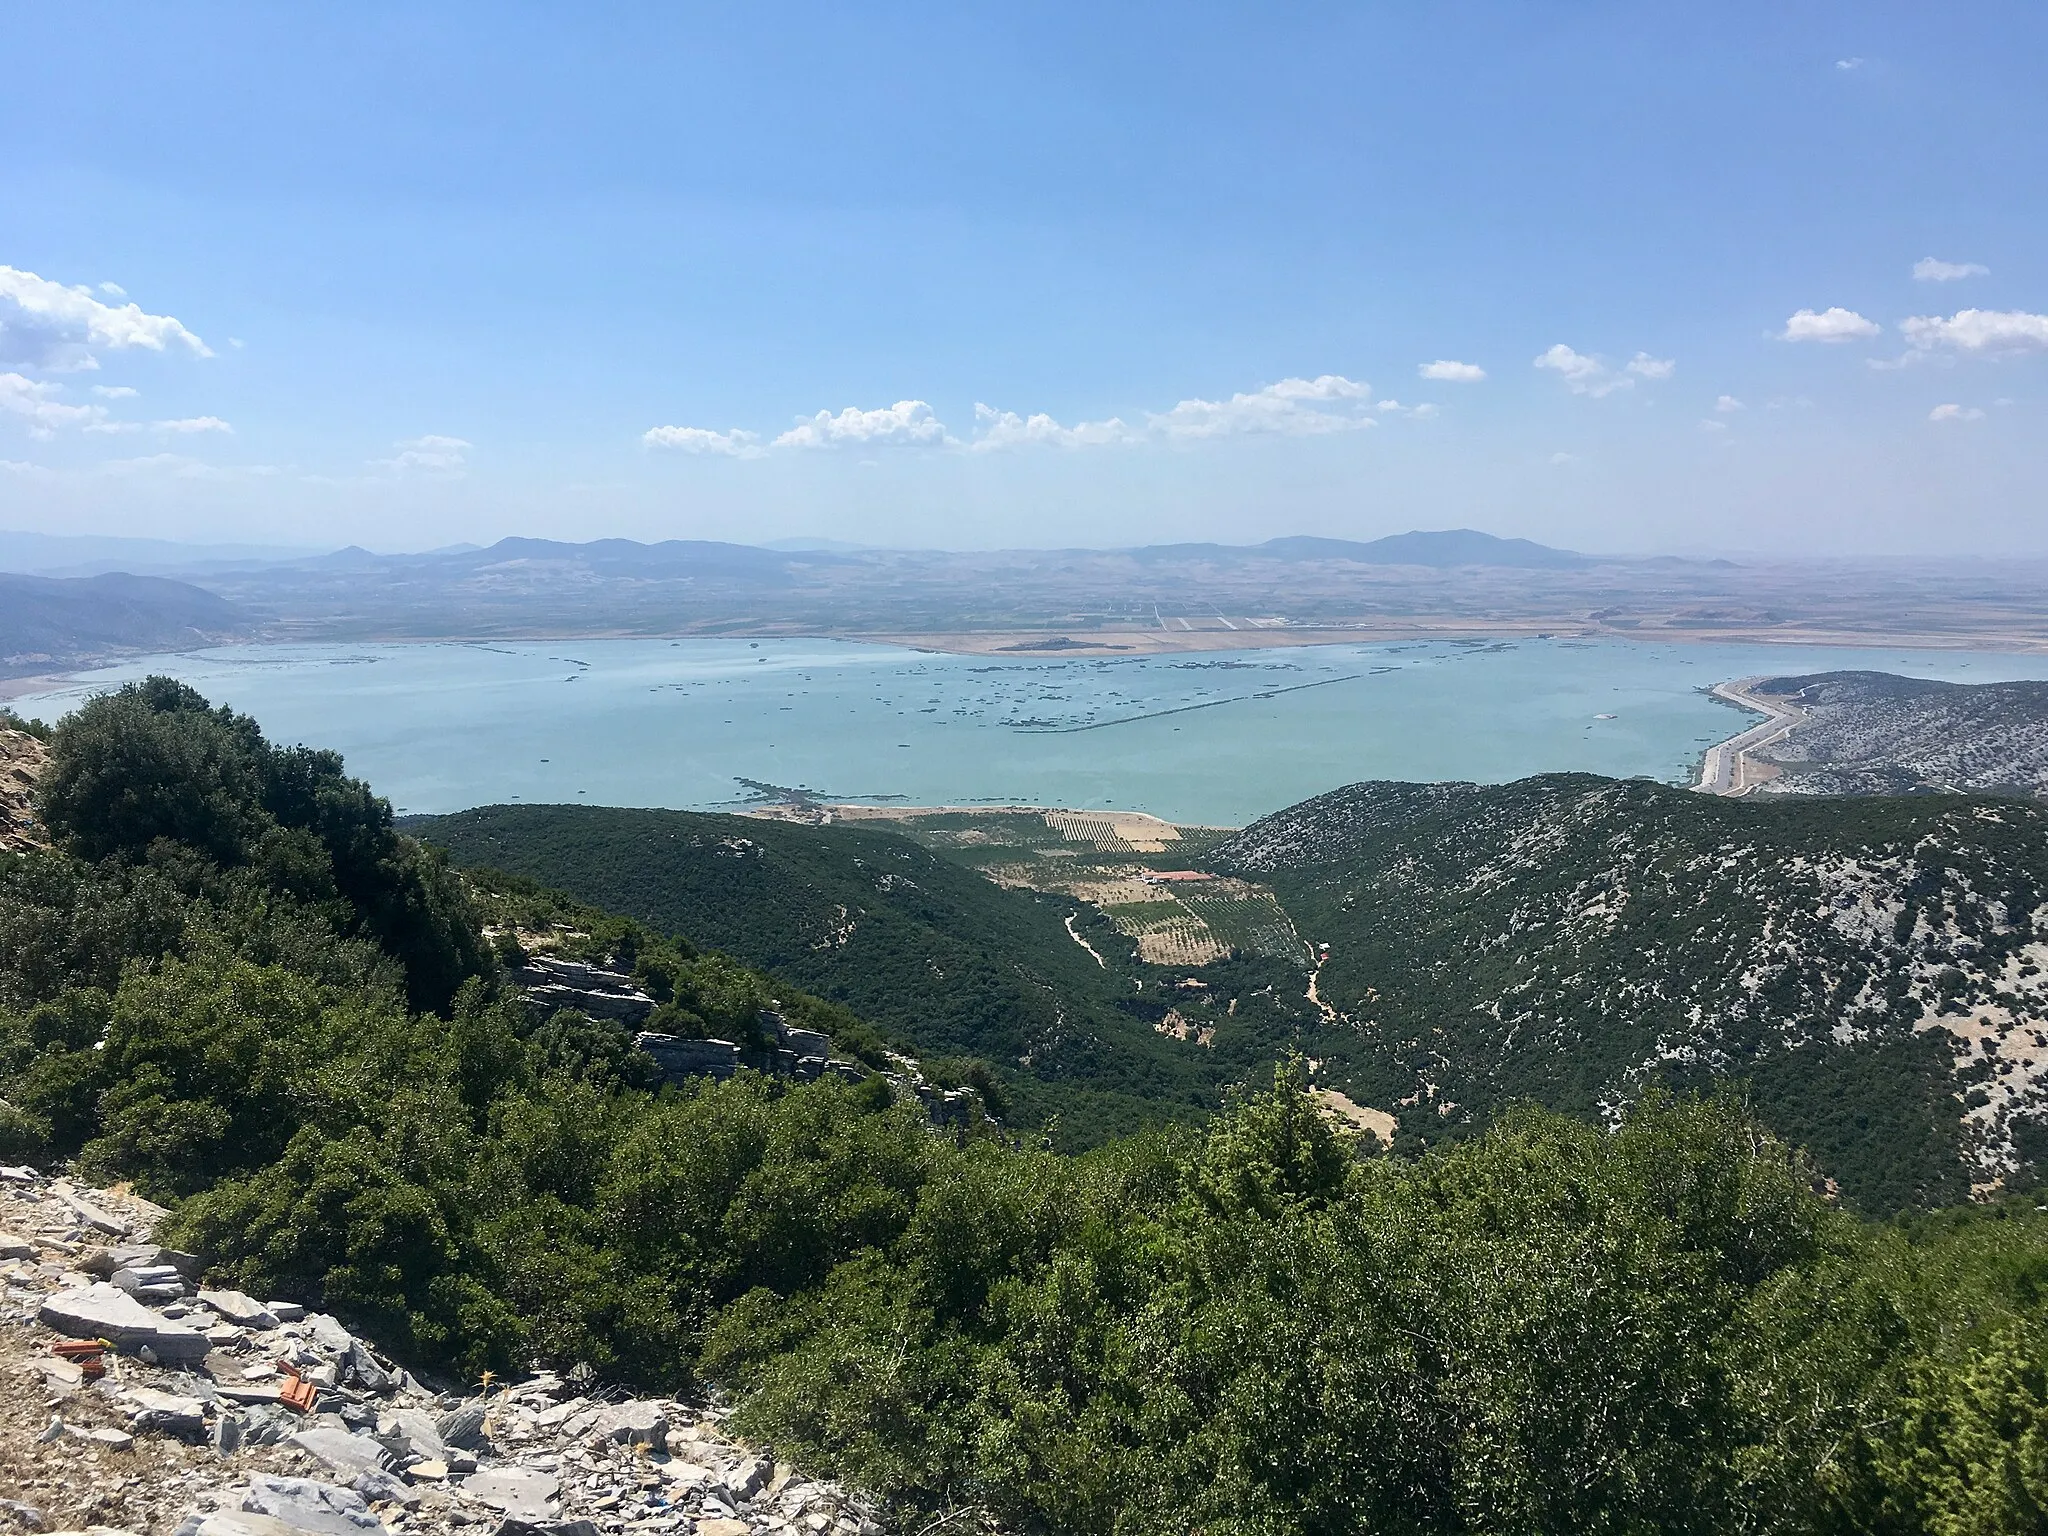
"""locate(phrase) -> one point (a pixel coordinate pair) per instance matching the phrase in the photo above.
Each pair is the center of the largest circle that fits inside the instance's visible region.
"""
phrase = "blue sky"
(409, 274)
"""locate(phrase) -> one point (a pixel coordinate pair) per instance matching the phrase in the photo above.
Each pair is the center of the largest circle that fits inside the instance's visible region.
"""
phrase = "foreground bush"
(240, 988)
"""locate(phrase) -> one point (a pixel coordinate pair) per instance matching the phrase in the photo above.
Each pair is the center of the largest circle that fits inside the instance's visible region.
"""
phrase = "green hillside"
(927, 950)
(1569, 939)
(234, 982)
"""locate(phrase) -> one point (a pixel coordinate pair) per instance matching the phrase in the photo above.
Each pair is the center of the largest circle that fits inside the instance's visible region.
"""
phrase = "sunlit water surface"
(1216, 738)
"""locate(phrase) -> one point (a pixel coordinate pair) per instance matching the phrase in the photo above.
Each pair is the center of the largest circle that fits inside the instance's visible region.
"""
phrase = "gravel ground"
(186, 1433)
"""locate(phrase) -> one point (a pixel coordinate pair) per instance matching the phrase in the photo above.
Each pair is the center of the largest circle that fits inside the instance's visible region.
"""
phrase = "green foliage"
(10, 721)
(152, 774)
(1254, 1328)
(929, 952)
(1571, 940)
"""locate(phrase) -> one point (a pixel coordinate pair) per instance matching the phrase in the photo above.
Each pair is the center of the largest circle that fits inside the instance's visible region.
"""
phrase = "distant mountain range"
(1445, 550)
(49, 622)
(85, 554)
(1159, 597)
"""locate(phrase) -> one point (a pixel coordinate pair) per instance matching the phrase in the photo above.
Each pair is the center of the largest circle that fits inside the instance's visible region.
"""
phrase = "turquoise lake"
(1217, 738)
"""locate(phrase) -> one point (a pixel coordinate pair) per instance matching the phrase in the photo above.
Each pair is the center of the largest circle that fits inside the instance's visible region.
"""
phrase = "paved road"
(1726, 770)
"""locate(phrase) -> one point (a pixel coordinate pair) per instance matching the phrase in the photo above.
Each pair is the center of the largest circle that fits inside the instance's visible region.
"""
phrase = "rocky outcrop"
(551, 983)
(207, 1412)
(21, 762)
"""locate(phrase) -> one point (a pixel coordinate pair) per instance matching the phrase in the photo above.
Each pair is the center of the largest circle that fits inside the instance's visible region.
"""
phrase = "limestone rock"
(419, 1433)
(239, 1309)
(346, 1453)
(309, 1506)
(463, 1426)
(101, 1311)
(635, 1423)
(168, 1412)
(517, 1491)
(238, 1523)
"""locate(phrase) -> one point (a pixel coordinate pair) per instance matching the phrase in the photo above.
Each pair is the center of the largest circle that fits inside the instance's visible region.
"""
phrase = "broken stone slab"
(306, 1505)
(285, 1311)
(419, 1433)
(513, 1527)
(100, 1311)
(723, 1528)
(749, 1477)
(12, 1247)
(366, 1372)
(152, 1286)
(344, 1452)
(635, 1423)
(104, 1261)
(140, 1276)
(328, 1334)
(167, 1412)
(245, 1392)
(462, 1426)
(383, 1488)
(560, 1413)
(243, 1311)
(234, 1523)
(99, 1220)
(517, 1491)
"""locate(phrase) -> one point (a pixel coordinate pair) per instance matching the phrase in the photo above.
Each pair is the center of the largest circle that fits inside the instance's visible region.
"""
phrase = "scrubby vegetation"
(235, 984)
(930, 951)
(1572, 939)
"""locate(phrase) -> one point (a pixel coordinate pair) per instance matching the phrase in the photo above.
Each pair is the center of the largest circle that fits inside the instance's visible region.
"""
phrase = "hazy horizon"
(1616, 279)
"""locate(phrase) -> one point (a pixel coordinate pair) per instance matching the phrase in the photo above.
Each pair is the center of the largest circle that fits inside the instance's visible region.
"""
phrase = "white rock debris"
(185, 1427)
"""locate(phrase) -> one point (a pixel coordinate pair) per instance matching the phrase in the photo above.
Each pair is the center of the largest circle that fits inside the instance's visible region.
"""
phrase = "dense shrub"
(1257, 1326)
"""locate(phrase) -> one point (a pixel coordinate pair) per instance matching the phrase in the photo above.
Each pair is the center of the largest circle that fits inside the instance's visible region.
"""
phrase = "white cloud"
(997, 430)
(429, 455)
(45, 324)
(115, 289)
(1585, 375)
(1954, 412)
(1848, 66)
(115, 391)
(1444, 371)
(1561, 457)
(1930, 269)
(1292, 408)
(36, 403)
(1711, 424)
(1728, 405)
(1828, 325)
(186, 425)
(179, 466)
(1979, 331)
(736, 444)
(908, 423)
